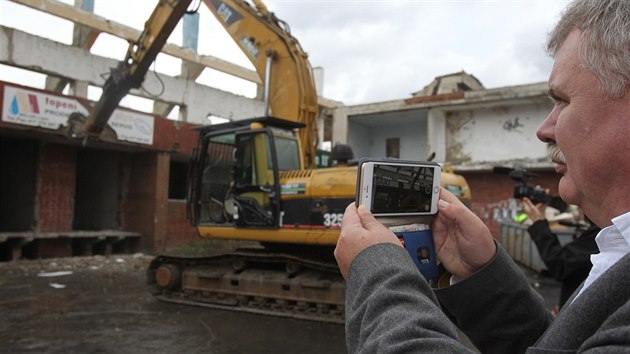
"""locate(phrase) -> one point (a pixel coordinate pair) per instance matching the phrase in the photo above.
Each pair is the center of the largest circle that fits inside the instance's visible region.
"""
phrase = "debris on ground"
(54, 267)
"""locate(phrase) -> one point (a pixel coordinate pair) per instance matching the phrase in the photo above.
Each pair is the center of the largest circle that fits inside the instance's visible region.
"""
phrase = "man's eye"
(559, 100)
(556, 99)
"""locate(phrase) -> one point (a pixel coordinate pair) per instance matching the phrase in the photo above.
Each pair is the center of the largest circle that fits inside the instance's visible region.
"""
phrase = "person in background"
(569, 264)
(390, 307)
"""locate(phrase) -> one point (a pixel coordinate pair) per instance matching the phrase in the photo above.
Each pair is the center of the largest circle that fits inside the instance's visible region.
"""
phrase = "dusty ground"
(101, 305)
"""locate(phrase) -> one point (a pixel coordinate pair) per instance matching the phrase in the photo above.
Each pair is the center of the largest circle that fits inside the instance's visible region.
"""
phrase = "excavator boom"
(277, 56)
(131, 72)
(280, 61)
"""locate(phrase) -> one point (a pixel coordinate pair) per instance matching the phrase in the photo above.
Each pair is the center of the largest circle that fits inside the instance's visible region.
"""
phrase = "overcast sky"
(371, 51)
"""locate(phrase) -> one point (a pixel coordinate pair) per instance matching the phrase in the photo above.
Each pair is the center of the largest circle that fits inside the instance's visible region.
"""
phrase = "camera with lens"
(524, 189)
(535, 194)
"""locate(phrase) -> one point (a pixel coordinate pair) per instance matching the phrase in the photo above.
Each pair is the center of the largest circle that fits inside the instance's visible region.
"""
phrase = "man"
(569, 264)
(389, 306)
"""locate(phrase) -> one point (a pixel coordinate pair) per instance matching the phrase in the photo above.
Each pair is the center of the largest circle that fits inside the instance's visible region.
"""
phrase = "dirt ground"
(101, 305)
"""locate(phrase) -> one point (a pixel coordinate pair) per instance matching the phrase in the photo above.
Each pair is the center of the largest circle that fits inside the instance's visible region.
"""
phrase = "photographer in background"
(569, 264)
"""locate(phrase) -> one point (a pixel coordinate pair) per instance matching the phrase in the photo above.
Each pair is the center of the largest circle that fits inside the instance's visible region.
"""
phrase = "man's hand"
(359, 230)
(534, 212)
(462, 241)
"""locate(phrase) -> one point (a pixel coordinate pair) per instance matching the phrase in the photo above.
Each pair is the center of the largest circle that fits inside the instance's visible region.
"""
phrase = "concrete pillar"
(318, 77)
(320, 129)
(82, 37)
(191, 31)
(79, 88)
(189, 71)
(436, 134)
(340, 126)
(55, 84)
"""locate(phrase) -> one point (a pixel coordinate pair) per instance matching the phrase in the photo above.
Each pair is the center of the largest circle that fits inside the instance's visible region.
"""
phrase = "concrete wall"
(413, 139)
(471, 130)
(500, 133)
(360, 137)
(17, 48)
(370, 141)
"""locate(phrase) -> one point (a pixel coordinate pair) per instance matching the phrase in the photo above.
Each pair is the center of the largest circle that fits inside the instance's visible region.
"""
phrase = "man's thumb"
(368, 220)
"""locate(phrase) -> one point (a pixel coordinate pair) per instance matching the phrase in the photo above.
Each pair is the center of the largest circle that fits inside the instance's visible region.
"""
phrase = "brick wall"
(55, 207)
(180, 232)
(145, 207)
(491, 194)
(52, 248)
(163, 160)
(139, 204)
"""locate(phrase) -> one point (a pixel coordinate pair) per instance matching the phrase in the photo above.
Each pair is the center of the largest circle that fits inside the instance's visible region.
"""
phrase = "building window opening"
(17, 184)
(393, 147)
(97, 190)
(178, 180)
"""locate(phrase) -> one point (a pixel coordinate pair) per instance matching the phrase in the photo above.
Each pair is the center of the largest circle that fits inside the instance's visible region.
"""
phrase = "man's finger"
(350, 217)
(368, 220)
(529, 206)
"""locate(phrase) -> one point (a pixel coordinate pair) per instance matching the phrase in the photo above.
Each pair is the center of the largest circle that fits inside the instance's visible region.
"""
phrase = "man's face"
(592, 131)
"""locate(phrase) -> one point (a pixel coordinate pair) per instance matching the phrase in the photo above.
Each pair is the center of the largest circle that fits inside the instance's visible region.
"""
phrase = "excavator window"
(217, 179)
(256, 194)
(245, 164)
(288, 153)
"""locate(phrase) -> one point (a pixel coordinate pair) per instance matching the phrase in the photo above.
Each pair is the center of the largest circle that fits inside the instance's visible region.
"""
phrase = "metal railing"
(516, 240)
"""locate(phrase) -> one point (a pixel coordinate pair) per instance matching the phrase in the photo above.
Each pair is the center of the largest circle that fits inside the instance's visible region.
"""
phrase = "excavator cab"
(236, 172)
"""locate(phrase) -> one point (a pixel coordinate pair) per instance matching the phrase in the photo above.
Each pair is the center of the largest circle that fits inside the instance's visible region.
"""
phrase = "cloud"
(376, 50)
(380, 50)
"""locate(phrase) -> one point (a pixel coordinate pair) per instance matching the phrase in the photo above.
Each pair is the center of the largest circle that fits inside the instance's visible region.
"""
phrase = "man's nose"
(546, 131)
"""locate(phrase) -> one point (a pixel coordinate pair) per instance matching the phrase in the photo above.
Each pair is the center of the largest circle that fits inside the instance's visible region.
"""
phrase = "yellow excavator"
(255, 180)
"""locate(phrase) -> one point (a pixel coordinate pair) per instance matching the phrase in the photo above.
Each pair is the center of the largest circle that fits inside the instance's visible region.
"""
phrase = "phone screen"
(402, 188)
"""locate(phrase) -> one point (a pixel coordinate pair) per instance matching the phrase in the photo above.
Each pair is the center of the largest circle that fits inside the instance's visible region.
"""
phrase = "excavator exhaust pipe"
(267, 80)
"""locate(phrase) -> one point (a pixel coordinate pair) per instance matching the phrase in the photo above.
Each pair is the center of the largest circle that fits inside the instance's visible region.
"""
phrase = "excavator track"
(255, 281)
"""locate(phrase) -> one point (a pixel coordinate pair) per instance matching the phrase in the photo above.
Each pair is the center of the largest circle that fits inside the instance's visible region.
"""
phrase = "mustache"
(554, 153)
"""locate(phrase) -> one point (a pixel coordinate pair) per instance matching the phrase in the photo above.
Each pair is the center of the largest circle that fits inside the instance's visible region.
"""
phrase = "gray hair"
(605, 45)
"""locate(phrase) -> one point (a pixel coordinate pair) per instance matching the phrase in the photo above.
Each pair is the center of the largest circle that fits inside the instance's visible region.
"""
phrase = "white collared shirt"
(613, 243)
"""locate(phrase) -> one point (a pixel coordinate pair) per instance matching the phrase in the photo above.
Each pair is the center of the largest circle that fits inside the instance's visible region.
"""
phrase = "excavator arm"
(277, 56)
(279, 60)
(131, 72)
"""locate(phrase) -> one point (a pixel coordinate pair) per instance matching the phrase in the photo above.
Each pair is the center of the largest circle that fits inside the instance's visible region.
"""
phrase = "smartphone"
(398, 188)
